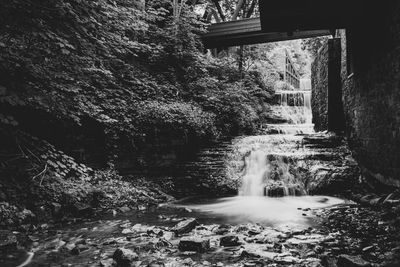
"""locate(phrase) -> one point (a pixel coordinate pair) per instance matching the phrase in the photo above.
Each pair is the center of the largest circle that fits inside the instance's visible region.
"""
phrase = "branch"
(237, 10)
(218, 6)
(22, 152)
(43, 172)
(214, 13)
(251, 9)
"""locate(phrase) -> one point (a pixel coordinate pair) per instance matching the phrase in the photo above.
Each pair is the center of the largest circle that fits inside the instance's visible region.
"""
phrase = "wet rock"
(125, 257)
(185, 226)
(197, 244)
(287, 259)
(7, 240)
(306, 239)
(222, 229)
(229, 241)
(352, 261)
(77, 248)
(258, 251)
(107, 263)
(156, 264)
(253, 264)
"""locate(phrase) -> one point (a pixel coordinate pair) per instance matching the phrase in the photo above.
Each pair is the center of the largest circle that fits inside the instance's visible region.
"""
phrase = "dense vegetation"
(119, 72)
(127, 68)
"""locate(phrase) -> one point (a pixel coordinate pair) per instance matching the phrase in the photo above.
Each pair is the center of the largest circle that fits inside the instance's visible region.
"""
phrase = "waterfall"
(256, 167)
(296, 106)
(266, 171)
(267, 175)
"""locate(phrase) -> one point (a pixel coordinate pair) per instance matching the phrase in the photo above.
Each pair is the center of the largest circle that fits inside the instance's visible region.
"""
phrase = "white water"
(253, 180)
(264, 166)
(260, 175)
(295, 106)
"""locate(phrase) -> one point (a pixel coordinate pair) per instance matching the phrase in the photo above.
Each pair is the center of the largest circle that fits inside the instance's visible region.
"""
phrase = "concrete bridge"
(292, 19)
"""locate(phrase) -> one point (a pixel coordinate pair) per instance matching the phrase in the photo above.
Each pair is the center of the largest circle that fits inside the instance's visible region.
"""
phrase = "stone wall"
(319, 93)
(371, 93)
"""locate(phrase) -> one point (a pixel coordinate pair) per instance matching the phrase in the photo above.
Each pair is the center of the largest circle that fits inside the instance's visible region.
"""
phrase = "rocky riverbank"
(346, 235)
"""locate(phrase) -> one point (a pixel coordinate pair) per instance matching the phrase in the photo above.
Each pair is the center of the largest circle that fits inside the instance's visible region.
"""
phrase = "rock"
(229, 241)
(156, 264)
(287, 260)
(82, 247)
(252, 264)
(197, 244)
(185, 226)
(7, 240)
(75, 251)
(222, 229)
(124, 256)
(44, 226)
(187, 262)
(124, 209)
(155, 231)
(107, 263)
(352, 261)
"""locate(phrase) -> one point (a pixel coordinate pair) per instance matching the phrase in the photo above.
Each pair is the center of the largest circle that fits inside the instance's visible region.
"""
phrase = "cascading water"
(268, 175)
(269, 168)
(256, 169)
(266, 172)
(295, 108)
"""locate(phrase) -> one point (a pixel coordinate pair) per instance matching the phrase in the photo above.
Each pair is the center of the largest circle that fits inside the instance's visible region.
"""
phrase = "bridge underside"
(293, 19)
(248, 31)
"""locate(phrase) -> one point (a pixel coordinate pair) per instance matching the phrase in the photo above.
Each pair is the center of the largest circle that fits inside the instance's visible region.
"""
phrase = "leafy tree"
(314, 44)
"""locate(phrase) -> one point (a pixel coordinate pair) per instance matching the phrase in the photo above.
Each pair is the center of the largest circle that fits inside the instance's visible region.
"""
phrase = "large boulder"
(229, 241)
(185, 226)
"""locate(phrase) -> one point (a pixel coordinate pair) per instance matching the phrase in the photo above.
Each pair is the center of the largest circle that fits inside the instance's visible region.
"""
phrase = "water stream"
(271, 191)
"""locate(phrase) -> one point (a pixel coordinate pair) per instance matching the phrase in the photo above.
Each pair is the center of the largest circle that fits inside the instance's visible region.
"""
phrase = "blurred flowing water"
(271, 191)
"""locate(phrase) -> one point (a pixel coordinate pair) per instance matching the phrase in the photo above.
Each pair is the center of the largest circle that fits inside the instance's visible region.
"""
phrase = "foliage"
(314, 44)
(127, 68)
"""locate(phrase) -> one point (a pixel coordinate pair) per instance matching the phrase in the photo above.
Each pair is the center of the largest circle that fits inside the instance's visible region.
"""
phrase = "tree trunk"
(241, 5)
(241, 59)
(237, 10)
(219, 9)
(251, 9)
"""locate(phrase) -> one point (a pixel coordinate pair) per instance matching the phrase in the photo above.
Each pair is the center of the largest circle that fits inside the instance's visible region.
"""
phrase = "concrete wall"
(371, 93)
(319, 93)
